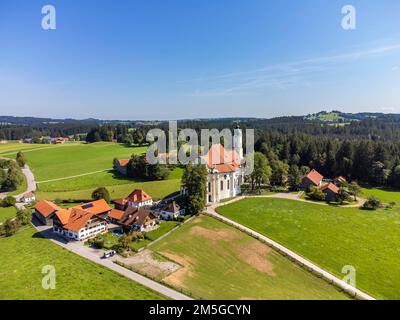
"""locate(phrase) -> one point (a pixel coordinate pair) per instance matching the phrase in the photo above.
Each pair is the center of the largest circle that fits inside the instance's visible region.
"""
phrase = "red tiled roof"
(341, 179)
(314, 176)
(116, 214)
(138, 217)
(138, 195)
(222, 159)
(78, 219)
(95, 207)
(330, 186)
(46, 208)
(123, 162)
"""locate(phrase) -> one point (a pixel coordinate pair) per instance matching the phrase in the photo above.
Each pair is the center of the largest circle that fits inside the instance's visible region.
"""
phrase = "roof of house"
(138, 217)
(116, 214)
(341, 179)
(29, 195)
(314, 176)
(222, 159)
(171, 207)
(46, 208)
(330, 186)
(95, 207)
(138, 195)
(78, 219)
(123, 162)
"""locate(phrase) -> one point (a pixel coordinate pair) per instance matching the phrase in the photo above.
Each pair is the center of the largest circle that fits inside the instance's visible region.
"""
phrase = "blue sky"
(173, 59)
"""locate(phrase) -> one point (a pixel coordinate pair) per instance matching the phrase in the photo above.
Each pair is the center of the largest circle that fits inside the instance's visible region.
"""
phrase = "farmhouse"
(225, 170)
(83, 221)
(340, 181)
(122, 166)
(136, 199)
(169, 211)
(313, 178)
(331, 191)
(138, 219)
(45, 210)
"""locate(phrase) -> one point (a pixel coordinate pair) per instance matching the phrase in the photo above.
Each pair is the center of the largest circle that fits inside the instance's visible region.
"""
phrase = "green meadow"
(220, 262)
(385, 195)
(332, 238)
(25, 254)
(74, 170)
(7, 213)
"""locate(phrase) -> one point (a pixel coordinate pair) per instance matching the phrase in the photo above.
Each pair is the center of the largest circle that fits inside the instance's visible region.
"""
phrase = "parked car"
(109, 254)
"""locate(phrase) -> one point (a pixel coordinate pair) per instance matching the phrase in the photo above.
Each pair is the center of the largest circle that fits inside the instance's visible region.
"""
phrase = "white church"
(225, 170)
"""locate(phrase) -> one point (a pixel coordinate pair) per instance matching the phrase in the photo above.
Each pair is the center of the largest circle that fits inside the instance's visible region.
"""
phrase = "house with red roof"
(83, 221)
(122, 166)
(313, 178)
(331, 191)
(135, 219)
(136, 199)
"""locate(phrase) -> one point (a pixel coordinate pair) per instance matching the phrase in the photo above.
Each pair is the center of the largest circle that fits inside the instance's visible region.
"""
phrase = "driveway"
(96, 256)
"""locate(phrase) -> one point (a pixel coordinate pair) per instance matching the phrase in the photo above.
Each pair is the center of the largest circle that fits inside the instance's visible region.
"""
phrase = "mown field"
(332, 238)
(6, 213)
(157, 189)
(25, 254)
(220, 262)
(74, 170)
(385, 195)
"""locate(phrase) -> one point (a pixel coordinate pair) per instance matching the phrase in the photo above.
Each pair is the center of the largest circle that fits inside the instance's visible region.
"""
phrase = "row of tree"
(120, 133)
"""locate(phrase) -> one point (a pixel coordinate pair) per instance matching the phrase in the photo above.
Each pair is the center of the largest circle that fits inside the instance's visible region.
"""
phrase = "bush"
(97, 242)
(10, 227)
(372, 203)
(316, 194)
(24, 216)
(101, 193)
(391, 205)
(8, 202)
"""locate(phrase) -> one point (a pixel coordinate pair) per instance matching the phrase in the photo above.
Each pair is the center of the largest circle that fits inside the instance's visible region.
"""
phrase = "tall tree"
(194, 182)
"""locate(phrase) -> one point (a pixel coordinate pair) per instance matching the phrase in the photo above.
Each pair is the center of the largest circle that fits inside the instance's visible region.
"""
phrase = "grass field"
(157, 189)
(221, 262)
(74, 170)
(332, 238)
(24, 256)
(6, 213)
(385, 195)
(11, 149)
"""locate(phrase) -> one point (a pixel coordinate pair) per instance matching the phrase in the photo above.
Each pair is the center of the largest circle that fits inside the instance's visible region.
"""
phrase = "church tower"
(238, 142)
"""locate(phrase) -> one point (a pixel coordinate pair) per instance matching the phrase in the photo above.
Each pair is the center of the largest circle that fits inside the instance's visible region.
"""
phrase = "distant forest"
(363, 147)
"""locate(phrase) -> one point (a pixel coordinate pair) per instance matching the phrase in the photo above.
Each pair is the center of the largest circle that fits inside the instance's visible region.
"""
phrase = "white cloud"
(282, 75)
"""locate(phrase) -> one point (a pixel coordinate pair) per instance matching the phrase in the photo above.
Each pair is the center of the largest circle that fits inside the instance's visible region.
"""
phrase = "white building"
(225, 170)
(28, 197)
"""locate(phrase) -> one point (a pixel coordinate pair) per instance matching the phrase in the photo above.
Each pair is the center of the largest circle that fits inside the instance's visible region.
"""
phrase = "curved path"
(210, 210)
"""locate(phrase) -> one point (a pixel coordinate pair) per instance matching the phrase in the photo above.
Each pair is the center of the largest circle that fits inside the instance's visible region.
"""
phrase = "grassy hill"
(24, 256)
(220, 262)
(332, 238)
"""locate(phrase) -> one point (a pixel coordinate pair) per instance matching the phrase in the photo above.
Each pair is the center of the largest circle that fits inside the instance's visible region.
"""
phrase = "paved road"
(210, 210)
(95, 256)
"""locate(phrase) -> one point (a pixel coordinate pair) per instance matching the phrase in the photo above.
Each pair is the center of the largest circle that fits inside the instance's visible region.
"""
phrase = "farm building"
(83, 221)
(28, 197)
(138, 219)
(136, 199)
(331, 191)
(169, 211)
(122, 166)
(45, 210)
(313, 178)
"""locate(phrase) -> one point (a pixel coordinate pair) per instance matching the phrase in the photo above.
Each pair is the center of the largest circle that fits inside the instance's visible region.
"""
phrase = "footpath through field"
(210, 210)
(76, 176)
